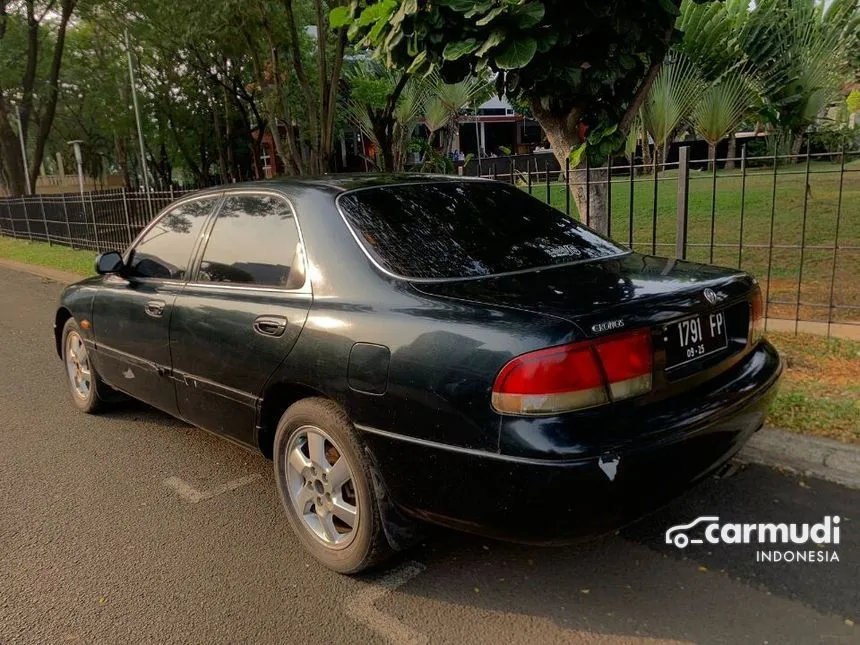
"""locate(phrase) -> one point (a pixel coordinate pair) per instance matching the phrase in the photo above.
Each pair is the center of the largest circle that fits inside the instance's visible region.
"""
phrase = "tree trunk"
(732, 153)
(10, 151)
(383, 131)
(219, 145)
(712, 156)
(796, 147)
(51, 92)
(589, 196)
(122, 160)
(646, 155)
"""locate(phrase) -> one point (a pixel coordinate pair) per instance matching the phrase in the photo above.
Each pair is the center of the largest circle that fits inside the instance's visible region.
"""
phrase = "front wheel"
(325, 484)
(82, 377)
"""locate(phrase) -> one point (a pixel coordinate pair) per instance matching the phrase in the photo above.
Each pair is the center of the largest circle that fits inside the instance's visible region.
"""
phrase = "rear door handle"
(154, 308)
(270, 325)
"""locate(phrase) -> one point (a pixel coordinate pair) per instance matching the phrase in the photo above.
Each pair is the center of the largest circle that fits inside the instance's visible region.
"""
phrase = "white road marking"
(190, 494)
(361, 606)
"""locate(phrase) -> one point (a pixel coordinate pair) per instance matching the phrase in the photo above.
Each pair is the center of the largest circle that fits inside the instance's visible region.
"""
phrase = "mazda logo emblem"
(710, 296)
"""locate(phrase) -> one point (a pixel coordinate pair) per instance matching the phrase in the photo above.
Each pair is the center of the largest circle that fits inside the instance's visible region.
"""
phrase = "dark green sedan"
(415, 349)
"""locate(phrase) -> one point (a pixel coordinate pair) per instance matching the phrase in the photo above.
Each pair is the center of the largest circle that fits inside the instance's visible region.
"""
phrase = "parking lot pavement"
(131, 527)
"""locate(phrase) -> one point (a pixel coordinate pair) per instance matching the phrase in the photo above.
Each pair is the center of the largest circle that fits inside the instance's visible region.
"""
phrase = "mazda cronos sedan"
(416, 349)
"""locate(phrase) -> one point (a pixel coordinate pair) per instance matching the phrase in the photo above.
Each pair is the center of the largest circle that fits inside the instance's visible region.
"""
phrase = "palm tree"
(712, 41)
(721, 107)
(670, 101)
(446, 102)
(800, 51)
(384, 106)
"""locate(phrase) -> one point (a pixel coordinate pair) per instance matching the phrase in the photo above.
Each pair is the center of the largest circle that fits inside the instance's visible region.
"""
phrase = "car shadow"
(127, 409)
(634, 583)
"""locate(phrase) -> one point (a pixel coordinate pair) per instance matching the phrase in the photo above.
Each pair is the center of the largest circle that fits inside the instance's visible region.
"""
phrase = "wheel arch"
(274, 402)
(63, 314)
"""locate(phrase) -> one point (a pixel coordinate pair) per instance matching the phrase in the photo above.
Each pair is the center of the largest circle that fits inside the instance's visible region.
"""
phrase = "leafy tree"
(32, 41)
(584, 67)
(800, 49)
(385, 106)
(731, 90)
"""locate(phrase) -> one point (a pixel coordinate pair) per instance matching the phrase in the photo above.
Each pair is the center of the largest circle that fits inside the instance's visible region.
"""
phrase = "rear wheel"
(325, 484)
(83, 379)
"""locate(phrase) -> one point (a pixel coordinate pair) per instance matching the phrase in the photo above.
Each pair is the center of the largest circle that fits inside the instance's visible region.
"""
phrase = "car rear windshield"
(465, 229)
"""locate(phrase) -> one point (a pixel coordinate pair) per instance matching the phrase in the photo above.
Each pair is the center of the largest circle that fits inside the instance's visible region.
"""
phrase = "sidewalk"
(812, 456)
(63, 277)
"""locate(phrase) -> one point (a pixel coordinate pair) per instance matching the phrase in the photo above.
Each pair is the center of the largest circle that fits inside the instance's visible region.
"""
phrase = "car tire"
(85, 385)
(321, 473)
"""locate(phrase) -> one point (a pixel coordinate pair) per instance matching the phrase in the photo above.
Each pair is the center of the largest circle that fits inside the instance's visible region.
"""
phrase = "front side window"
(462, 229)
(165, 251)
(255, 241)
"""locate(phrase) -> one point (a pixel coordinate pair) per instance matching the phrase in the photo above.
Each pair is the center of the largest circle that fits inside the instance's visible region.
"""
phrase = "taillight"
(576, 376)
(756, 316)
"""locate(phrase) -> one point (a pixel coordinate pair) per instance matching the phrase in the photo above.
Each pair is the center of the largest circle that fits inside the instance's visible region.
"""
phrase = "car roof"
(339, 183)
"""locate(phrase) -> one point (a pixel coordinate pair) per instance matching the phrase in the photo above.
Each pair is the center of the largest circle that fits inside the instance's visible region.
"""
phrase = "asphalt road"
(95, 547)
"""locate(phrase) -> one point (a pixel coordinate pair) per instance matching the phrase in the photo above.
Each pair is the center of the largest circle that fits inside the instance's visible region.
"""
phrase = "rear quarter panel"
(444, 358)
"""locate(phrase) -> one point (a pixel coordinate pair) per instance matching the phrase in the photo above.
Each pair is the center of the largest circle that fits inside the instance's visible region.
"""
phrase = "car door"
(238, 318)
(131, 313)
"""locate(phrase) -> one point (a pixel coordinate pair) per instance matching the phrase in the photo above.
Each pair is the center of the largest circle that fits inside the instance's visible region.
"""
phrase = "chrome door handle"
(270, 325)
(154, 308)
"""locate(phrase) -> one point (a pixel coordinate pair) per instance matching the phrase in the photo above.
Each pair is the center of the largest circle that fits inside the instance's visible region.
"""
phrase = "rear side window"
(254, 241)
(165, 249)
(465, 229)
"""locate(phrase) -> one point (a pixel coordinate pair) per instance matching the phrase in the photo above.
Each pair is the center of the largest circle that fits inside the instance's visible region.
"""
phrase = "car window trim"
(397, 276)
(207, 232)
(126, 256)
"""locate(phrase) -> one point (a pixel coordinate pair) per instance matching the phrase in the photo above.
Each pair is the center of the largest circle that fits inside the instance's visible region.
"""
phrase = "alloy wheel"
(320, 486)
(78, 365)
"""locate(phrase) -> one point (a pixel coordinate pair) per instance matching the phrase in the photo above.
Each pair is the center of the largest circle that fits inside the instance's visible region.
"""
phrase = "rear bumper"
(551, 500)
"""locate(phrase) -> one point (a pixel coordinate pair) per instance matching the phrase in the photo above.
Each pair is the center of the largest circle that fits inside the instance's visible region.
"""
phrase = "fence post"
(45, 220)
(609, 197)
(95, 224)
(567, 186)
(548, 188)
(68, 226)
(26, 217)
(743, 202)
(587, 189)
(125, 210)
(683, 201)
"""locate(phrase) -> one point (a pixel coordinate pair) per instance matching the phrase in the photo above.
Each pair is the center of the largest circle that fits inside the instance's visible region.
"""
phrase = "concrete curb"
(63, 277)
(821, 458)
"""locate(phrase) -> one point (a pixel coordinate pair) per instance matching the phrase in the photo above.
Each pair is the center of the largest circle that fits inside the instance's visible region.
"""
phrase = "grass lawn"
(56, 257)
(820, 391)
(782, 195)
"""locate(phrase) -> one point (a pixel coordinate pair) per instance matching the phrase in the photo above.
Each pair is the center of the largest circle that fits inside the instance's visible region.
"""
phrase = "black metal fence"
(94, 221)
(793, 221)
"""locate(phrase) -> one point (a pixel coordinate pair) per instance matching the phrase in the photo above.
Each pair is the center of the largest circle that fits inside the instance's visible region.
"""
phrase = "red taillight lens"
(627, 361)
(550, 380)
(576, 376)
(756, 316)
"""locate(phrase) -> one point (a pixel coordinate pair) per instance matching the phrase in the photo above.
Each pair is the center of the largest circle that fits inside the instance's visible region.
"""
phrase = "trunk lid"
(627, 292)
(603, 296)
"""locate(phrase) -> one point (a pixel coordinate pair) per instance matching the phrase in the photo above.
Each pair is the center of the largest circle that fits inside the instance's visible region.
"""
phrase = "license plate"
(695, 338)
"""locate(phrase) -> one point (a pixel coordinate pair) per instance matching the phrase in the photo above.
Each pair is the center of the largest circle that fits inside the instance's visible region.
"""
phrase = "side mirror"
(108, 262)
